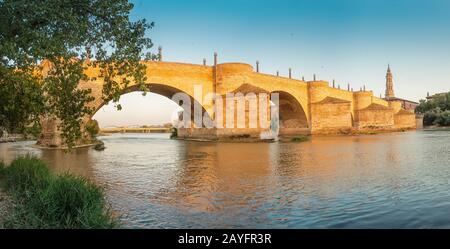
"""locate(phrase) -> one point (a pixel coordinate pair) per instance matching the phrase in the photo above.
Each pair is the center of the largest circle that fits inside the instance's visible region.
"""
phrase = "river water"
(397, 180)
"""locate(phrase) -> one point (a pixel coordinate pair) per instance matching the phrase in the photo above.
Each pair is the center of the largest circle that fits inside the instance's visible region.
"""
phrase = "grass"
(2, 172)
(45, 200)
(300, 139)
(2, 168)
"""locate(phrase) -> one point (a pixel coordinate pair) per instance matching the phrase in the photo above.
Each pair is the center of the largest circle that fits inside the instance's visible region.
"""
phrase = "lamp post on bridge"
(215, 59)
(257, 66)
(290, 73)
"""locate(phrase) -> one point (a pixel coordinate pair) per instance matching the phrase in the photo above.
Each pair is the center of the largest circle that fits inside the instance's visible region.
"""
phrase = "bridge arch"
(157, 88)
(292, 115)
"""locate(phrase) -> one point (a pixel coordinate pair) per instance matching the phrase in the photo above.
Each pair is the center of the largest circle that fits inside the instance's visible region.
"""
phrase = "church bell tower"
(389, 84)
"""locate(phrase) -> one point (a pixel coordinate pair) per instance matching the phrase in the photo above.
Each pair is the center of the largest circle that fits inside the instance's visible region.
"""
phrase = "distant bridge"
(135, 130)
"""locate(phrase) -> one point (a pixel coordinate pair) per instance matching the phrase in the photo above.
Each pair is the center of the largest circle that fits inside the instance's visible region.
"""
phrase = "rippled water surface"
(399, 180)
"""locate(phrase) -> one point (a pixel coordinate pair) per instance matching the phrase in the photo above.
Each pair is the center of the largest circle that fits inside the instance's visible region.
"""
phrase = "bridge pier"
(51, 135)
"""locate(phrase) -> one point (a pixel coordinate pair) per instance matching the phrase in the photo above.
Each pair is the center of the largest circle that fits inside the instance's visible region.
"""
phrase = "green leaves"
(65, 100)
(436, 110)
(21, 99)
(66, 33)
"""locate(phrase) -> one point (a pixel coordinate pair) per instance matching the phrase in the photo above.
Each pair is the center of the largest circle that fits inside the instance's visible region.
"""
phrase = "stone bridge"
(305, 107)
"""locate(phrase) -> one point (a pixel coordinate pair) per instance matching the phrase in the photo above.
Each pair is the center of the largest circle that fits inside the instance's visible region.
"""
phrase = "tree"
(436, 110)
(92, 128)
(67, 34)
(443, 119)
(21, 100)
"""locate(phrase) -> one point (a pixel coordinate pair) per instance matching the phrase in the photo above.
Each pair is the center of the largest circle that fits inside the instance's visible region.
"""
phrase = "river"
(396, 180)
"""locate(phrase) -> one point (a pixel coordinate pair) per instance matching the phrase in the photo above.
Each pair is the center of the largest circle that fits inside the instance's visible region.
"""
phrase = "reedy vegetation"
(44, 200)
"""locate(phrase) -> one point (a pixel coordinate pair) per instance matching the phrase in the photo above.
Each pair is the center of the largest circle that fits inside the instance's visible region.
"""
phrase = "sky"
(351, 41)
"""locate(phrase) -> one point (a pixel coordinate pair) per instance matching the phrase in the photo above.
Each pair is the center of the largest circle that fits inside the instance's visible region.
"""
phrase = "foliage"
(70, 35)
(92, 127)
(65, 100)
(44, 200)
(443, 119)
(430, 116)
(173, 133)
(2, 168)
(436, 110)
(33, 130)
(21, 99)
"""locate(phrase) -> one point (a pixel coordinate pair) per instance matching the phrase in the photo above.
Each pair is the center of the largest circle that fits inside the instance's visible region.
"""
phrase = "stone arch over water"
(163, 90)
(292, 115)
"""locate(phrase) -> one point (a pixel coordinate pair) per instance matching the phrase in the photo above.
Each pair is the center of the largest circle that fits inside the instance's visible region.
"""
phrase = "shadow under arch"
(293, 119)
(161, 89)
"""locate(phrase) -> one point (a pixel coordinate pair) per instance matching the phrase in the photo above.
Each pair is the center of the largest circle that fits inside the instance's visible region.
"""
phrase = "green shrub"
(26, 175)
(443, 119)
(72, 202)
(430, 116)
(44, 200)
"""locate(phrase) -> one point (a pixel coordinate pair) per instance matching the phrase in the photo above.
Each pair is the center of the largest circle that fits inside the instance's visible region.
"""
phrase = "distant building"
(406, 104)
(389, 95)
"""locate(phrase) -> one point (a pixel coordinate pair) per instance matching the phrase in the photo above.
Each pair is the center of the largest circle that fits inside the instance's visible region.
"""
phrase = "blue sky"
(351, 41)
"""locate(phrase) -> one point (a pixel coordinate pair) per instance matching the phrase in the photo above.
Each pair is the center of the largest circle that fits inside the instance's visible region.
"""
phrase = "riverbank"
(436, 127)
(15, 138)
(44, 200)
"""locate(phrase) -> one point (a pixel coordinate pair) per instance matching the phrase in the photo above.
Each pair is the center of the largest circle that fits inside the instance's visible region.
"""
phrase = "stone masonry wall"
(331, 118)
(374, 119)
(405, 120)
(348, 109)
